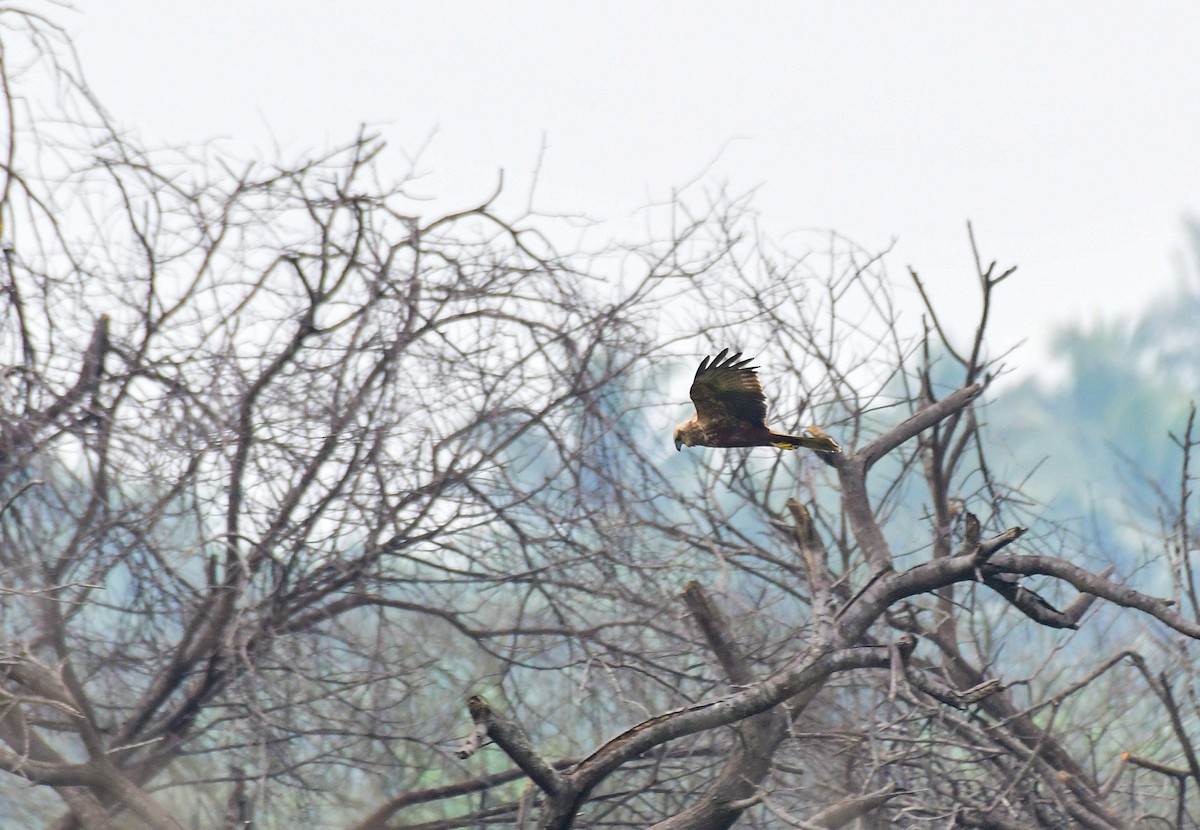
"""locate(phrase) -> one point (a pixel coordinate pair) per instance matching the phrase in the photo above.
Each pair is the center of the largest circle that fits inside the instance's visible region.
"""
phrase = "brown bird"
(731, 411)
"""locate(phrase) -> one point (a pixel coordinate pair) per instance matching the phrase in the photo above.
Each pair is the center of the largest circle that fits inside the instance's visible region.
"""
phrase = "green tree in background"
(1094, 434)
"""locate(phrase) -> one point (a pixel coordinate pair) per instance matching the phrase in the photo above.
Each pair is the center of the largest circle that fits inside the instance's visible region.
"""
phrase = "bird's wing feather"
(727, 390)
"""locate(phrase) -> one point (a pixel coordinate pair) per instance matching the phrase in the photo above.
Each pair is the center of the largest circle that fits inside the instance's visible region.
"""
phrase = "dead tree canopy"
(315, 509)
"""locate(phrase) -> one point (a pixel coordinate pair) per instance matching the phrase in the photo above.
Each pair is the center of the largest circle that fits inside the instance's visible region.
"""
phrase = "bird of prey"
(731, 411)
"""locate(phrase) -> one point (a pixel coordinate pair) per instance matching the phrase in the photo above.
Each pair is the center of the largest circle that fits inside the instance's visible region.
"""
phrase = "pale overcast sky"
(1068, 132)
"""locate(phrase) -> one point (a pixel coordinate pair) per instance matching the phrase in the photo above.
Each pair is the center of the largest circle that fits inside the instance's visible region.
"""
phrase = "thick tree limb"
(1028, 602)
(856, 504)
(888, 588)
(510, 737)
(378, 819)
(1156, 766)
(806, 671)
(935, 688)
(715, 628)
(89, 373)
(1079, 606)
(479, 729)
(917, 423)
(46, 772)
(1088, 582)
(987, 820)
(852, 472)
(814, 555)
(729, 709)
(848, 809)
(755, 740)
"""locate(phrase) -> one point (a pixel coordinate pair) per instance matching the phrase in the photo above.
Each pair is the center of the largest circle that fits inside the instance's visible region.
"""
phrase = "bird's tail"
(814, 438)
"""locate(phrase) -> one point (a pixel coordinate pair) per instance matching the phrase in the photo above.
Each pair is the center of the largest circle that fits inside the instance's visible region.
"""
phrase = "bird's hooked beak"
(678, 443)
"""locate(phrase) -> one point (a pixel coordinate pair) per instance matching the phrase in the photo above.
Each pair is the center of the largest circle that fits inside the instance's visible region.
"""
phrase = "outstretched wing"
(727, 391)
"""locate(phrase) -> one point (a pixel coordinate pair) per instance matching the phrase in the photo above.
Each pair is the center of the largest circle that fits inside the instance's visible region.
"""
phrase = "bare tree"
(316, 509)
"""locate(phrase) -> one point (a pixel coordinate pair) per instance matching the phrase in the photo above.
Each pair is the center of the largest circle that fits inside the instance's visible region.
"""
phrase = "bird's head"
(683, 436)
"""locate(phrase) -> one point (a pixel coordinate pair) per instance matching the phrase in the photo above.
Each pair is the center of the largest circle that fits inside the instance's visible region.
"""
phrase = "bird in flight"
(731, 411)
